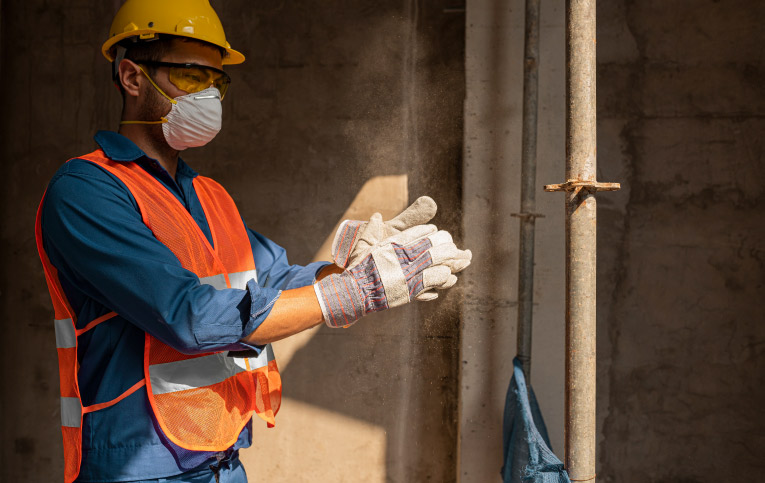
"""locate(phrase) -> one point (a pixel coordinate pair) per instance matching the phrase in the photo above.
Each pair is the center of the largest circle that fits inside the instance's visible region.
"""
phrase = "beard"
(154, 107)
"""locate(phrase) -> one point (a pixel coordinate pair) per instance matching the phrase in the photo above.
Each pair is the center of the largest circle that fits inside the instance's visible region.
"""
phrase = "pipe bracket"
(578, 184)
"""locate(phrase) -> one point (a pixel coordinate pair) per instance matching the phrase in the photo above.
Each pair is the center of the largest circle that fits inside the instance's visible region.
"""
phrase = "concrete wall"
(342, 107)
(681, 105)
(494, 74)
(680, 275)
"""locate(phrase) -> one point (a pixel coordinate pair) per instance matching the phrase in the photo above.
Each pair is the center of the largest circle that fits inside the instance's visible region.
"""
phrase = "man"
(165, 301)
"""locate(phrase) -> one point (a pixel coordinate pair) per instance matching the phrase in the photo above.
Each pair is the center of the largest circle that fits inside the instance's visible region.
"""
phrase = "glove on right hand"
(401, 268)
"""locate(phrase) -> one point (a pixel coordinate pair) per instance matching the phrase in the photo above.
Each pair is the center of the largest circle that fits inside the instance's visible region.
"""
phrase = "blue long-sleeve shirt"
(108, 260)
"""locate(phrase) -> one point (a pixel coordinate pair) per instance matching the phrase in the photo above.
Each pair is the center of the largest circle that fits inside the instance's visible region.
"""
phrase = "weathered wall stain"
(687, 338)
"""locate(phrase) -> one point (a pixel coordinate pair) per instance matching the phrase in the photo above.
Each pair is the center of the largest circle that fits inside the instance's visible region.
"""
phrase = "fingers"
(447, 254)
(450, 282)
(438, 277)
(435, 276)
(418, 213)
(412, 234)
(372, 232)
(427, 296)
(440, 237)
(460, 261)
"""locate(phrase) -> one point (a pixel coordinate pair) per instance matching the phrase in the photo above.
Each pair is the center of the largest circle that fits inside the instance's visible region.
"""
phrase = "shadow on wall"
(331, 401)
(340, 94)
(357, 401)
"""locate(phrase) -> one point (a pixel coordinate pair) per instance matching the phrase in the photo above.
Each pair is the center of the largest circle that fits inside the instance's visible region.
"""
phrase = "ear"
(129, 76)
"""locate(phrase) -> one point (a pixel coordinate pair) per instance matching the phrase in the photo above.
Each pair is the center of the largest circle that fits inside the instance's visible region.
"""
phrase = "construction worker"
(165, 302)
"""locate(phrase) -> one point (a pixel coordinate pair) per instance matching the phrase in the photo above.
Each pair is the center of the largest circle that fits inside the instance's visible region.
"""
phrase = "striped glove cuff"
(391, 275)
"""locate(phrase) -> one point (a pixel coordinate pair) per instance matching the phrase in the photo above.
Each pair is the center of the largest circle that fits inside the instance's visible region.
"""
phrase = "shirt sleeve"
(274, 271)
(94, 235)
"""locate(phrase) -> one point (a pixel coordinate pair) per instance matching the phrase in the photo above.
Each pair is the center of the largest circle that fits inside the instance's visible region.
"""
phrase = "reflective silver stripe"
(266, 356)
(65, 336)
(192, 373)
(71, 412)
(240, 279)
(217, 281)
(202, 371)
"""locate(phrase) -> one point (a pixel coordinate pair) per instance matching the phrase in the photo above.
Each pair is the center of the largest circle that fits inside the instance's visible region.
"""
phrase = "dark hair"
(152, 50)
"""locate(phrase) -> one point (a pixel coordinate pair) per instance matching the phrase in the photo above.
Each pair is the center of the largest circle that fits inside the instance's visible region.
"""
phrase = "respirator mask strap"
(162, 119)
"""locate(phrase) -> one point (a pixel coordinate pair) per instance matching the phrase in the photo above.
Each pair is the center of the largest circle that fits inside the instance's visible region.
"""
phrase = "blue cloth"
(231, 471)
(108, 260)
(528, 457)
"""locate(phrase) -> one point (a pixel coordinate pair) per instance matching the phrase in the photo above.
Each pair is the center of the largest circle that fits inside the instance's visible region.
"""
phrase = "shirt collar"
(121, 149)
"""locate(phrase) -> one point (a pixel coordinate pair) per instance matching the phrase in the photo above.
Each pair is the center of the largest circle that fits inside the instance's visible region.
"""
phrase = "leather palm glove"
(407, 266)
(354, 238)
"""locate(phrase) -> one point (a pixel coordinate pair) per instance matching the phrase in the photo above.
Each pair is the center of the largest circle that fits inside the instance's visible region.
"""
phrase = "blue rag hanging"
(528, 457)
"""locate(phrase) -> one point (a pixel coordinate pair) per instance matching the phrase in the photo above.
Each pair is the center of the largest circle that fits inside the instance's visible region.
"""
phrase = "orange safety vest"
(203, 401)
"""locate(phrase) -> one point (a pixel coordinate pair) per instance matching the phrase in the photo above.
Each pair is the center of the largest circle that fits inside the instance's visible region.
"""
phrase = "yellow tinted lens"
(222, 83)
(190, 79)
(195, 79)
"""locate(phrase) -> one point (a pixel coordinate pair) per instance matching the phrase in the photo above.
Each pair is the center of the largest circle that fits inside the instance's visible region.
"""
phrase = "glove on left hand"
(404, 267)
(354, 238)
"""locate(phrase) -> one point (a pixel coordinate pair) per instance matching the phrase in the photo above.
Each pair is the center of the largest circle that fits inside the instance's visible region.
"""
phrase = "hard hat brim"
(234, 56)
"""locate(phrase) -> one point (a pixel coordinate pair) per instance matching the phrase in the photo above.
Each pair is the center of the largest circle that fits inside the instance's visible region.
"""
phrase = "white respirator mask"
(194, 119)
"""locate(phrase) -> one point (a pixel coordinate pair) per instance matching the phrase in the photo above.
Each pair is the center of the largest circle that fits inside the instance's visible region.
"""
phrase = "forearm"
(295, 311)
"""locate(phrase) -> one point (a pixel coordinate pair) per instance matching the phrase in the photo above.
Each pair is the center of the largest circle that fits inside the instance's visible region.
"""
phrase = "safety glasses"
(193, 77)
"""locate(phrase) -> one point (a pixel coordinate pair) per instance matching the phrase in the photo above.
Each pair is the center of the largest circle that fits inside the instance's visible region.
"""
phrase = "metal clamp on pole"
(577, 184)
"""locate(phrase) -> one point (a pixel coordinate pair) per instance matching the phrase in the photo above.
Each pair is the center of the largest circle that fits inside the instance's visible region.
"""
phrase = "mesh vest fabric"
(203, 410)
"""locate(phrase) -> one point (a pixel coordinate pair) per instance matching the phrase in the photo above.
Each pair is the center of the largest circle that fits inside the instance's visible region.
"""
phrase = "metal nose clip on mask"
(194, 119)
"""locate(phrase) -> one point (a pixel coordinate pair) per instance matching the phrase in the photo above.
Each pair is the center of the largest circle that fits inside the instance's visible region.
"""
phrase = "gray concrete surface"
(491, 191)
(680, 275)
(681, 104)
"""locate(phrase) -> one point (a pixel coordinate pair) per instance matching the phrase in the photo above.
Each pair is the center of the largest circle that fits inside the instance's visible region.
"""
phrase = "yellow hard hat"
(145, 19)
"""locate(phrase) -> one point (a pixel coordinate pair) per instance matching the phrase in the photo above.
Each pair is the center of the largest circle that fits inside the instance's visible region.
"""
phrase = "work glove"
(354, 238)
(407, 266)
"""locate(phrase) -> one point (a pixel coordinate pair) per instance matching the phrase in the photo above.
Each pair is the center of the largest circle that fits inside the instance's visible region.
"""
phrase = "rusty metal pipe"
(528, 185)
(581, 221)
(581, 163)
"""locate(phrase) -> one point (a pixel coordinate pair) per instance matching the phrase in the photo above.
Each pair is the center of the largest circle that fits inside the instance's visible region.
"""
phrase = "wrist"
(328, 270)
(340, 299)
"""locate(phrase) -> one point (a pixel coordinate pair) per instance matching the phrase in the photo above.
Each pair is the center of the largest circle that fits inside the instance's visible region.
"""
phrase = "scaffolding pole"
(581, 218)
(528, 185)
